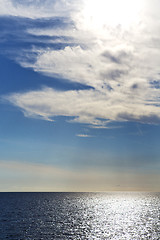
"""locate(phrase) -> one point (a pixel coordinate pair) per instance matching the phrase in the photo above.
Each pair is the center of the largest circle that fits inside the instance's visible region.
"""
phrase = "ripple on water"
(80, 216)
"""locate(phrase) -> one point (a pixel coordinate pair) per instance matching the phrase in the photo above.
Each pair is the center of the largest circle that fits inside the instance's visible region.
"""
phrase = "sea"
(116, 215)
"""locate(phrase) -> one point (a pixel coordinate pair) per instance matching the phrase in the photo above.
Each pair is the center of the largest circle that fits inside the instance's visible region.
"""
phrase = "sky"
(79, 95)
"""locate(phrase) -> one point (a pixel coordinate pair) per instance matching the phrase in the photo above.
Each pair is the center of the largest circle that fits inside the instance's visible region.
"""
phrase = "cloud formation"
(37, 8)
(86, 106)
(120, 65)
(83, 135)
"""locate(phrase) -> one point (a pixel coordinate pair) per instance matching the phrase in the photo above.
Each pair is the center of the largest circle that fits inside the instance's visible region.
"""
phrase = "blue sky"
(79, 95)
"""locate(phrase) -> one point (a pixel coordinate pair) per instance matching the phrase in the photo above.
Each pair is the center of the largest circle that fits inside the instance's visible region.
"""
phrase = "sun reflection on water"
(122, 216)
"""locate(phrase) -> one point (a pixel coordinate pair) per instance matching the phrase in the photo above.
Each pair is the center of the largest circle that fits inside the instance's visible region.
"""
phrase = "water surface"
(79, 216)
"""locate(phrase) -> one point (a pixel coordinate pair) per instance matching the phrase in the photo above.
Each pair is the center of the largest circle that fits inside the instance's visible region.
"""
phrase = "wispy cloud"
(86, 106)
(104, 126)
(37, 8)
(84, 135)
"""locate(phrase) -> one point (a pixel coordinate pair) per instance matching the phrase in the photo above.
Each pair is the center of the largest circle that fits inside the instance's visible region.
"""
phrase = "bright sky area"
(79, 95)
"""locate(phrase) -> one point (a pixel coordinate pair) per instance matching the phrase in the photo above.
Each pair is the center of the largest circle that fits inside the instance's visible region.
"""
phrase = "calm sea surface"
(79, 216)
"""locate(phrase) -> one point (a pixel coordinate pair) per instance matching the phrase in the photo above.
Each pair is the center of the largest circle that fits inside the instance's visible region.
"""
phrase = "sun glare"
(98, 14)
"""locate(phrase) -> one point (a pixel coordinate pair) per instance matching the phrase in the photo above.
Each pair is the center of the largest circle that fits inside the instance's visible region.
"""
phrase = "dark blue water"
(79, 216)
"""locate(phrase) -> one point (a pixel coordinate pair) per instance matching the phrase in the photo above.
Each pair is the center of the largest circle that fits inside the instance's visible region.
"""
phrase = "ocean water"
(79, 216)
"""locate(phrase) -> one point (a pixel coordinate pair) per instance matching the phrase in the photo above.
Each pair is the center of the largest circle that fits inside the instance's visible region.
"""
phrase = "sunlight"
(97, 14)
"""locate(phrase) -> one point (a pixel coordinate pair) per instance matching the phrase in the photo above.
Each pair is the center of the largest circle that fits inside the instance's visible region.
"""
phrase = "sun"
(100, 13)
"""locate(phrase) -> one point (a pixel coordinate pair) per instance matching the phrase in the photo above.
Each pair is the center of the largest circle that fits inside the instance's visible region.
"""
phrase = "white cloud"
(37, 8)
(120, 63)
(86, 106)
(84, 135)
